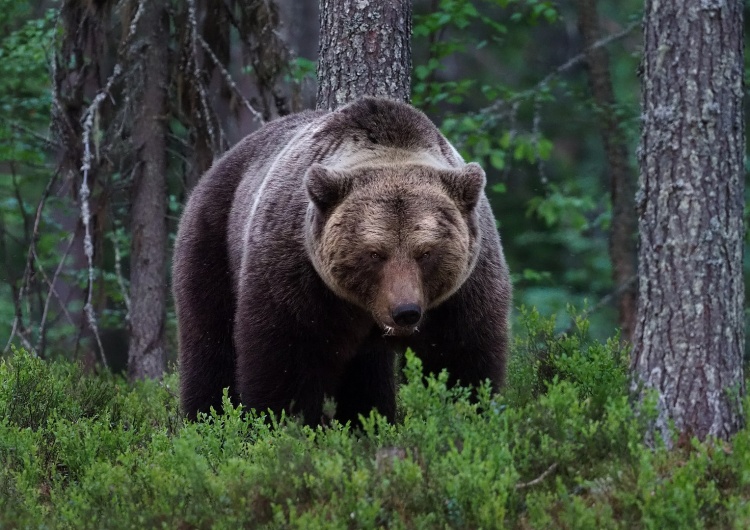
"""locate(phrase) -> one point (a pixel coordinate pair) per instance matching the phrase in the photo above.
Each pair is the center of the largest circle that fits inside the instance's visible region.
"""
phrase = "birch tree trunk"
(365, 50)
(689, 334)
(148, 284)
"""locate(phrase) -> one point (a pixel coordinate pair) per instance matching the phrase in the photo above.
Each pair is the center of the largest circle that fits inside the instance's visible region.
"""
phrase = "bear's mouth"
(390, 330)
(397, 327)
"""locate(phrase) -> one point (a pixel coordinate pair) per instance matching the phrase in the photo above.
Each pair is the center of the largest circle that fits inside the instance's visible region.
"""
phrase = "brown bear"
(323, 244)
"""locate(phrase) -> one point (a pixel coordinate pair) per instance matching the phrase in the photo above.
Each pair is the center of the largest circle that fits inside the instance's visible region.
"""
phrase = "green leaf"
(499, 187)
(497, 159)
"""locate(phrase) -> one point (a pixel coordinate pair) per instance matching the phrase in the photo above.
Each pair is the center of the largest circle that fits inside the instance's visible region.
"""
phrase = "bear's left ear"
(326, 187)
(465, 185)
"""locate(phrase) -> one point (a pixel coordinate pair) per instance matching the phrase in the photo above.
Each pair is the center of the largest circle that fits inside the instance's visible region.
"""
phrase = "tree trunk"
(146, 357)
(622, 250)
(78, 80)
(365, 50)
(302, 38)
(689, 334)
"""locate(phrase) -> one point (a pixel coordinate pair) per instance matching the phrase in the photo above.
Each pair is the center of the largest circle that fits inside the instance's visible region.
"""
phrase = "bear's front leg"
(283, 363)
(468, 334)
(368, 381)
(283, 371)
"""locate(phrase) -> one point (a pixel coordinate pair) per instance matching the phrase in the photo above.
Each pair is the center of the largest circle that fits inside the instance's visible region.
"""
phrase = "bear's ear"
(465, 185)
(326, 187)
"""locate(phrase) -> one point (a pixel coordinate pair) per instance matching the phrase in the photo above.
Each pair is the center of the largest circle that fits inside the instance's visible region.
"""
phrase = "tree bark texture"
(365, 50)
(78, 78)
(146, 357)
(622, 250)
(268, 54)
(689, 334)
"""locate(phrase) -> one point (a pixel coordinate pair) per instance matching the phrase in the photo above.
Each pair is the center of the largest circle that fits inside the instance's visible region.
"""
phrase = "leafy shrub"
(560, 447)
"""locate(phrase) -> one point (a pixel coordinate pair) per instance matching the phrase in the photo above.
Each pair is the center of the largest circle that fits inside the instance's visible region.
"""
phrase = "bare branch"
(40, 344)
(228, 78)
(18, 328)
(19, 200)
(539, 479)
(47, 142)
(118, 272)
(206, 112)
(84, 193)
(496, 107)
(133, 25)
(606, 300)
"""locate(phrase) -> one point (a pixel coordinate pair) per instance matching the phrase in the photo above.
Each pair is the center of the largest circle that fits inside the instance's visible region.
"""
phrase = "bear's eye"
(376, 256)
(424, 256)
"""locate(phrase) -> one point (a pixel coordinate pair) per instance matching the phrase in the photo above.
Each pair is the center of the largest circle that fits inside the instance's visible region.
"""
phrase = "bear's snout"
(400, 305)
(406, 314)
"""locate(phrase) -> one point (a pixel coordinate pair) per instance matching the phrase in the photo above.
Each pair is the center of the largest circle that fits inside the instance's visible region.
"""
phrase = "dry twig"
(228, 78)
(539, 479)
(84, 194)
(605, 300)
(495, 108)
(40, 345)
(18, 328)
(216, 146)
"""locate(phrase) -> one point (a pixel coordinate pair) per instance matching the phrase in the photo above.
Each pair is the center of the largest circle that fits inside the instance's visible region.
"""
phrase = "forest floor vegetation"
(562, 446)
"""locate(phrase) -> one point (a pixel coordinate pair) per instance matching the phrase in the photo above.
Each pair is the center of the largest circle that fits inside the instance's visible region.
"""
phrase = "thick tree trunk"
(268, 55)
(146, 357)
(689, 334)
(78, 81)
(365, 50)
(622, 249)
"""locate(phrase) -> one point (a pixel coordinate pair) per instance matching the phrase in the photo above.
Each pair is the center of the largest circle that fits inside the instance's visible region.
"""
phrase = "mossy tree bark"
(689, 334)
(365, 50)
(148, 257)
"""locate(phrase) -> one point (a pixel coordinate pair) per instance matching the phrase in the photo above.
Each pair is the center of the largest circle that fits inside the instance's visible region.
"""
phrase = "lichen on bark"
(365, 49)
(689, 334)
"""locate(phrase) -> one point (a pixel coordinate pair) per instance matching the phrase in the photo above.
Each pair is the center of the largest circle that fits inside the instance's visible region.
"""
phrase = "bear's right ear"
(465, 185)
(326, 187)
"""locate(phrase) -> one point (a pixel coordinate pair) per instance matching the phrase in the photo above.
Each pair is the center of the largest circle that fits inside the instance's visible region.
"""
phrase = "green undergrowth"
(560, 447)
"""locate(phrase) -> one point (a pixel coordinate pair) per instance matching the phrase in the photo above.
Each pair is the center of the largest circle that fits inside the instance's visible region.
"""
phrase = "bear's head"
(394, 240)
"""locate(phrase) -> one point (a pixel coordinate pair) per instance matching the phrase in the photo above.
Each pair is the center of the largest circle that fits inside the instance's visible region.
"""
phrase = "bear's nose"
(406, 314)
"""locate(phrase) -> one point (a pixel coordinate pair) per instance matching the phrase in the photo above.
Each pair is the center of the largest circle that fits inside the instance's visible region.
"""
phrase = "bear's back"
(212, 198)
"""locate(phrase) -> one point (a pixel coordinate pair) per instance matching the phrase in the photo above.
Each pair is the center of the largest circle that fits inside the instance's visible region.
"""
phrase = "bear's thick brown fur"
(324, 243)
